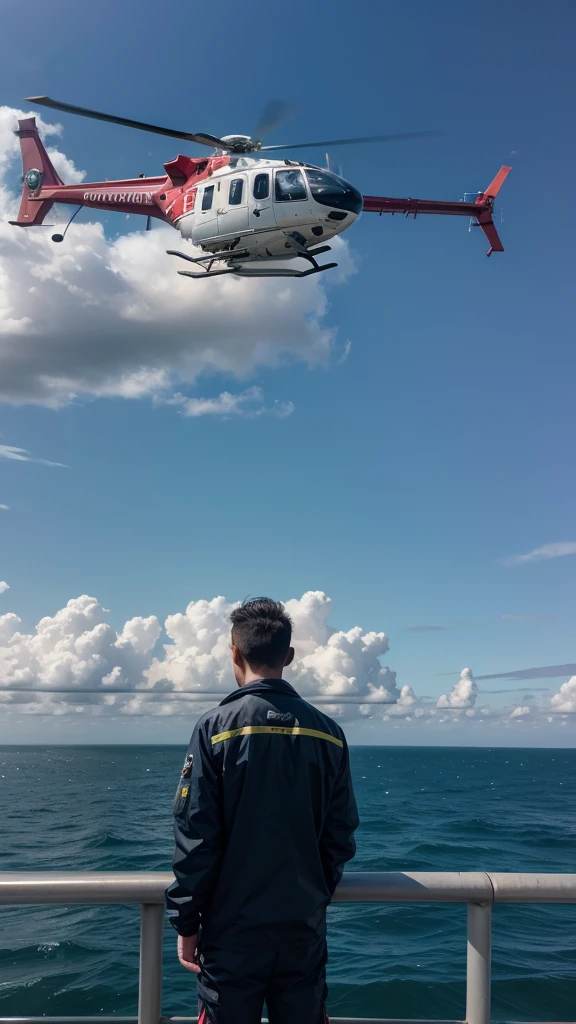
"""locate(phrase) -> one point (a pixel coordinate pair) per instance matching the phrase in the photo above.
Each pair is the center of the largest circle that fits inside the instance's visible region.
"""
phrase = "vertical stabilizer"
(486, 201)
(37, 171)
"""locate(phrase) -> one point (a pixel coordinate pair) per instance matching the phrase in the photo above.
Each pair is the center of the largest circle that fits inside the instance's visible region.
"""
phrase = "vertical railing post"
(150, 989)
(478, 965)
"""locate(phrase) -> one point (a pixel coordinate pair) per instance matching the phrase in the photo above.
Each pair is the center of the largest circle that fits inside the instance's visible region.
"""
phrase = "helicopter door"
(206, 222)
(233, 205)
(291, 204)
(262, 216)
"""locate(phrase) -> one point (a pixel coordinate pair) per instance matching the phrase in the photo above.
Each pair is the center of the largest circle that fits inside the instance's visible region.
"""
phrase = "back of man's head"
(262, 631)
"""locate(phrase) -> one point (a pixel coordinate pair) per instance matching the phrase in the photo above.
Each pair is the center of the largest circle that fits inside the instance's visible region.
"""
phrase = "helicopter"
(243, 212)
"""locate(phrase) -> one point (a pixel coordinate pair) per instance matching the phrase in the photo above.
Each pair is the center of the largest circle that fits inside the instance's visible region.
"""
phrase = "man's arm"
(337, 845)
(199, 837)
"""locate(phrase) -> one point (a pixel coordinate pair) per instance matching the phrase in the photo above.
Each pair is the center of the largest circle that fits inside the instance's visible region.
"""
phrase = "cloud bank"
(77, 651)
(75, 662)
(103, 317)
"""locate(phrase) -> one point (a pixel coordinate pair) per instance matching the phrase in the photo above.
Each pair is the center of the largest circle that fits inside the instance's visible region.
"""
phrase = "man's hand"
(187, 953)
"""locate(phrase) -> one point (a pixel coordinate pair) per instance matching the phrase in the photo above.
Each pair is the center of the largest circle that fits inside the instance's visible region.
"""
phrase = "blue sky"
(409, 471)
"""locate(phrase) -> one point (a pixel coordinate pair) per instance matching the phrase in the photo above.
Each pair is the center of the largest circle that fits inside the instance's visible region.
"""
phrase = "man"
(264, 822)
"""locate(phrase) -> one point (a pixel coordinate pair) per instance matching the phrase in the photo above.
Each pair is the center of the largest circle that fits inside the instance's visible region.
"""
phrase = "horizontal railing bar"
(513, 887)
(416, 886)
(83, 886)
(194, 1020)
(61, 887)
(333, 1020)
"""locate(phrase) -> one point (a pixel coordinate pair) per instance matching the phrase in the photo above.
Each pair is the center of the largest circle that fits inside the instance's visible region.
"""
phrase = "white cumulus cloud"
(4, 586)
(558, 550)
(463, 694)
(521, 712)
(565, 699)
(4, 508)
(96, 316)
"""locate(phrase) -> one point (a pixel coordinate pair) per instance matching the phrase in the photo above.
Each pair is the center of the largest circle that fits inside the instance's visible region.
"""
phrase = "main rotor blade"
(69, 108)
(274, 115)
(396, 137)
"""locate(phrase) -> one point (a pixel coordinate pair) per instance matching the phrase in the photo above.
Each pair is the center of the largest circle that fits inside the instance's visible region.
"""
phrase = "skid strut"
(207, 261)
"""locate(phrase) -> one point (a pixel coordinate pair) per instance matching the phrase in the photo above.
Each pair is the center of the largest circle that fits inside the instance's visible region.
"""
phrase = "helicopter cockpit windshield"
(331, 190)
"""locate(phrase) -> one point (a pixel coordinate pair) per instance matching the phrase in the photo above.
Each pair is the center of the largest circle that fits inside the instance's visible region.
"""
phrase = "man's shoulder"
(207, 719)
(325, 723)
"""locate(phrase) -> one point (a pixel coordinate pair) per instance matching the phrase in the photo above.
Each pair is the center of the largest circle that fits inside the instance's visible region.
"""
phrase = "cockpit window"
(261, 186)
(235, 194)
(331, 190)
(207, 197)
(290, 187)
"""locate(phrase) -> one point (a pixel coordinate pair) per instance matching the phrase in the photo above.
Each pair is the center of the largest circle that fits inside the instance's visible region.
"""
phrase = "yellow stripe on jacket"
(275, 730)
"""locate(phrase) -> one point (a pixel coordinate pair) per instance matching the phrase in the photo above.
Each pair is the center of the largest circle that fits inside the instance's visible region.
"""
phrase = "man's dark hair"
(262, 631)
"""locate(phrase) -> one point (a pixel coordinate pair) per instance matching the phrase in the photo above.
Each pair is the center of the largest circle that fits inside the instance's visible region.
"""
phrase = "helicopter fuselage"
(264, 203)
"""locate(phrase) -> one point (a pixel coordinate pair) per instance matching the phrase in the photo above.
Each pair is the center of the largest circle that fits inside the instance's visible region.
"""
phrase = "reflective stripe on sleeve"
(275, 730)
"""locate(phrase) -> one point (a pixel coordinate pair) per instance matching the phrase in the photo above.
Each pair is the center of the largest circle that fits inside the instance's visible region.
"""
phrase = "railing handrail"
(37, 887)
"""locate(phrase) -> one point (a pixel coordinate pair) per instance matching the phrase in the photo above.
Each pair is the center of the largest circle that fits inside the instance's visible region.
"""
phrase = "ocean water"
(109, 808)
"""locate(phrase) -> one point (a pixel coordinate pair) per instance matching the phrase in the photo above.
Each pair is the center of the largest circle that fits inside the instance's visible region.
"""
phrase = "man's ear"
(289, 657)
(237, 657)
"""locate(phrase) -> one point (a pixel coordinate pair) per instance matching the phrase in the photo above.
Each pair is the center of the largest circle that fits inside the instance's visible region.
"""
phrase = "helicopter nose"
(330, 189)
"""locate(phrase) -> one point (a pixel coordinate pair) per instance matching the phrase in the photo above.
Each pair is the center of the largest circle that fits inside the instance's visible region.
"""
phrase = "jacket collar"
(261, 687)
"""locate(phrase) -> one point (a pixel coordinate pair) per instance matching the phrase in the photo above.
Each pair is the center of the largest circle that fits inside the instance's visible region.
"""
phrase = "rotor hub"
(241, 144)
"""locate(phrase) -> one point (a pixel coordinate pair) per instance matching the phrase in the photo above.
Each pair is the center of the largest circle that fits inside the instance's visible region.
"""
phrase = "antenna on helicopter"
(60, 237)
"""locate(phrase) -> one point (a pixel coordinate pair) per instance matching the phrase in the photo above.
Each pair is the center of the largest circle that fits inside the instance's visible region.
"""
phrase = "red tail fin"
(37, 171)
(486, 200)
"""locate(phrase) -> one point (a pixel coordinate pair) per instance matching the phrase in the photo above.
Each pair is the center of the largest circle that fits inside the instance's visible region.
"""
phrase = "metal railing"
(479, 889)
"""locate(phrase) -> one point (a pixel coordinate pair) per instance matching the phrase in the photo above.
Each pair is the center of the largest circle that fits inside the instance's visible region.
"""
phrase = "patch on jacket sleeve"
(187, 769)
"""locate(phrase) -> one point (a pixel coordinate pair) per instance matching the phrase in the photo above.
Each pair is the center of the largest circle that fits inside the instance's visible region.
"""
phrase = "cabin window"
(208, 197)
(261, 186)
(236, 190)
(290, 187)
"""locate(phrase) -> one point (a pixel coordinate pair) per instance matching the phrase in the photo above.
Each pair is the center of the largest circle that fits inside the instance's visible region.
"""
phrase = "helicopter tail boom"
(480, 209)
(37, 172)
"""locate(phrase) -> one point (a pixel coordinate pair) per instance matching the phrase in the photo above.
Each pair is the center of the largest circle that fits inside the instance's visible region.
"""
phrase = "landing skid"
(209, 257)
(257, 271)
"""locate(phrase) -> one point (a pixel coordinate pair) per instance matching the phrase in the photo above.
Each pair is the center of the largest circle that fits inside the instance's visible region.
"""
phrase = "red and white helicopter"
(244, 214)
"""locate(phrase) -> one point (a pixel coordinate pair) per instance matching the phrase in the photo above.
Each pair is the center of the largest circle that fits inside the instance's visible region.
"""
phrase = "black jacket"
(264, 820)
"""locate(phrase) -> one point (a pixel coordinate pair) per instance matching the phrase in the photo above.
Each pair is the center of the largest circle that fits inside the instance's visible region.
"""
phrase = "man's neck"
(263, 673)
